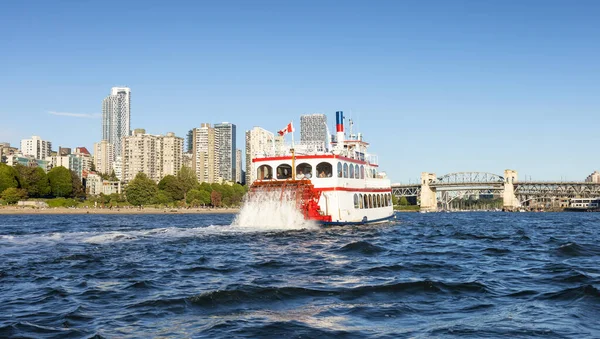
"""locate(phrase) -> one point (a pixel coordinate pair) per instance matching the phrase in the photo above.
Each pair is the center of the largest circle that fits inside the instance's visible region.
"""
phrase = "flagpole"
(292, 134)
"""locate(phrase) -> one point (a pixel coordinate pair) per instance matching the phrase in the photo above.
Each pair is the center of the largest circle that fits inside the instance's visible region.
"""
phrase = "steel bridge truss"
(468, 178)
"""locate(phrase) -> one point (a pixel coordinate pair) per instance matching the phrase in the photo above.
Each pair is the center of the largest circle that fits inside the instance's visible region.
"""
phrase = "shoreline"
(147, 210)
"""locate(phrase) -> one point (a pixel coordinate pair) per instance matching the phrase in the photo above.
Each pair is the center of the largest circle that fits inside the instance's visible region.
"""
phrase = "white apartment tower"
(116, 113)
(259, 142)
(313, 129)
(225, 146)
(36, 147)
(238, 165)
(203, 153)
(154, 155)
(104, 155)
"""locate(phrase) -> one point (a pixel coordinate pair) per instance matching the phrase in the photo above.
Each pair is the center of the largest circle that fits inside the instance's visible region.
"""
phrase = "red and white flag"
(288, 129)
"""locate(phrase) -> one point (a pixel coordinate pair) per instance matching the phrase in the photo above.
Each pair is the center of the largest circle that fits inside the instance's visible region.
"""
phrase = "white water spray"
(272, 210)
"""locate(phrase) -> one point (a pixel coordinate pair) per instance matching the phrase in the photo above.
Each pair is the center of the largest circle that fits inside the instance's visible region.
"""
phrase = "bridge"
(443, 190)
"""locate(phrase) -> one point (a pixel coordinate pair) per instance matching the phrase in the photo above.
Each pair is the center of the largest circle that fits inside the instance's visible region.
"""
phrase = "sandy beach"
(133, 210)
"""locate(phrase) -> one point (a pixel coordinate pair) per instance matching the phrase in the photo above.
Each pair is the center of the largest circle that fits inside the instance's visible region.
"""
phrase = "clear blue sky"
(438, 86)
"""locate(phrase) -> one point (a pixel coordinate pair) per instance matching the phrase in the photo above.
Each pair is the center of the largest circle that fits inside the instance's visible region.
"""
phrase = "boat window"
(264, 172)
(345, 170)
(377, 201)
(374, 173)
(362, 171)
(389, 199)
(303, 171)
(284, 171)
(351, 176)
(370, 201)
(324, 170)
(355, 200)
(356, 172)
(365, 201)
(339, 169)
(360, 199)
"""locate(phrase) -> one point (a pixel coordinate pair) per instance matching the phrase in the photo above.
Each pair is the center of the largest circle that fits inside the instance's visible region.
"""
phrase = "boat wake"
(271, 210)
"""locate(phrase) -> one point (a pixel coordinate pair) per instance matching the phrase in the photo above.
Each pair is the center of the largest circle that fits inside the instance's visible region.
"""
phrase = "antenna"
(351, 126)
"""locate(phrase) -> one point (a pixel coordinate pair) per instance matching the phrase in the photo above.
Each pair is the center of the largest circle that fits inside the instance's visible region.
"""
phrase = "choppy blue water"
(464, 275)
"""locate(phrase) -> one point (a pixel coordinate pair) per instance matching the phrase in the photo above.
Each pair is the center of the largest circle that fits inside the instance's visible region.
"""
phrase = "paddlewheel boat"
(336, 185)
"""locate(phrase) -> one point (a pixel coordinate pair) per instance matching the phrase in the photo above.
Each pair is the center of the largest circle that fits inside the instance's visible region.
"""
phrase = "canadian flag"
(288, 129)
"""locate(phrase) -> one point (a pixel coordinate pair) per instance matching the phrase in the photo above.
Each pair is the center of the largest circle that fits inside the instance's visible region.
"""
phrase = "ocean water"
(436, 275)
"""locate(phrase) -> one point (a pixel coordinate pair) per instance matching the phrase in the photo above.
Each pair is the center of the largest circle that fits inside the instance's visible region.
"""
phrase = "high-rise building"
(154, 155)
(259, 142)
(171, 149)
(116, 114)
(225, 146)
(189, 140)
(36, 148)
(313, 129)
(204, 161)
(238, 165)
(594, 177)
(104, 155)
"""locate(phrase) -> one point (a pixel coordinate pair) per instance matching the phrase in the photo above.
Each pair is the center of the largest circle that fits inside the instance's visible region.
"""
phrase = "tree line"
(182, 189)
(22, 182)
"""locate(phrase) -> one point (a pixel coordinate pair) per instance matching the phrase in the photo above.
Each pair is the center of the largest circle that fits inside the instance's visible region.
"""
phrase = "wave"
(363, 247)
(109, 237)
(573, 249)
(571, 294)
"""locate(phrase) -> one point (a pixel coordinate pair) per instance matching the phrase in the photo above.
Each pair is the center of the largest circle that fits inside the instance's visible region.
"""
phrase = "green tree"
(9, 177)
(394, 200)
(173, 186)
(12, 195)
(187, 179)
(78, 190)
(141, 190)
(34, 180)
(205, 187)
(163, 198)
(61, 182)
(403, 201)
(201, 196)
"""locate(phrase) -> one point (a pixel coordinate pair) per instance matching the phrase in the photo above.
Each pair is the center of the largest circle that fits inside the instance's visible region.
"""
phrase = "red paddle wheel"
(302, 192)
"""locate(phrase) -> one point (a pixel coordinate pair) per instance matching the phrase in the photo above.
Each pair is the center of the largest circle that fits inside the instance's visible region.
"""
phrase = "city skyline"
(479, 87)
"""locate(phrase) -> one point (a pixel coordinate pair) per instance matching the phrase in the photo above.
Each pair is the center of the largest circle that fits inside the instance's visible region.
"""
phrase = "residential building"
(6, 151)
(313, 129)
(170, 148)
(594, 177)
(36, 147)
(104, 156)
(116, 114)
(95, 185)
(189, 140)
(154, 155)
(225, 146)
(64, 151)
(29, 161)
(259, 142)
(187, 160)
(117, 167)
(204, 163)
(238, 165)
(86, 159)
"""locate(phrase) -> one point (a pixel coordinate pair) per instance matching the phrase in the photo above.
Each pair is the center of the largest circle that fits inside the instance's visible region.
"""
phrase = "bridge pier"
(428, 193)
(510, 201)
